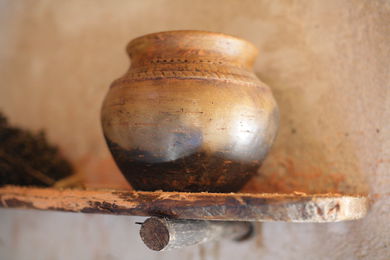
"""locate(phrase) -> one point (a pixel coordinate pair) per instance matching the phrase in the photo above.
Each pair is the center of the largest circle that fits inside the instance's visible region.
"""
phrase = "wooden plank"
(295, 207)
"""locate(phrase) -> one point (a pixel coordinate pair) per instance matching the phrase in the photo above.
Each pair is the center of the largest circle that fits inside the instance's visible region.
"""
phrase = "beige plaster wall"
(328, 63)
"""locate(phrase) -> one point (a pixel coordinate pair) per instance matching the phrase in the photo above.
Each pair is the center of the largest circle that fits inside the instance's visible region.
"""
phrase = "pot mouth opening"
(192, 44)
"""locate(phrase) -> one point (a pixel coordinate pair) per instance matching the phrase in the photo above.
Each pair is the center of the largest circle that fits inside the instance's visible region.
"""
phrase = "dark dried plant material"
(27, 159)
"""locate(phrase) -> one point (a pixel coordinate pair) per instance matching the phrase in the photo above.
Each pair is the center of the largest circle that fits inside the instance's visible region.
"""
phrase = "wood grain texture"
(295, 207)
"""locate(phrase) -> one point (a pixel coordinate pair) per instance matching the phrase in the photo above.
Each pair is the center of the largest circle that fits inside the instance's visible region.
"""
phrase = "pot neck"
(191, 47)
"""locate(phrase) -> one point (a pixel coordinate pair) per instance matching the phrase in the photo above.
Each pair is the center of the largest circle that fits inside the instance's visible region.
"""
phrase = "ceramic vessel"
(189, 114)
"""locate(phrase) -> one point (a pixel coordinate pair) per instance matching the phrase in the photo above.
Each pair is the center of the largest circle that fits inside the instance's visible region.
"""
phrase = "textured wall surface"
(328, 63)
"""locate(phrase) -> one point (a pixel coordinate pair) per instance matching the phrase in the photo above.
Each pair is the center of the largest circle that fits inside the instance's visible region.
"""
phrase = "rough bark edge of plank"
(295, 207)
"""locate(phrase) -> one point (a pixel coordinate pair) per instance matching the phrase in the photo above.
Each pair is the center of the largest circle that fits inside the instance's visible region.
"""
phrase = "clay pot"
(189, 114)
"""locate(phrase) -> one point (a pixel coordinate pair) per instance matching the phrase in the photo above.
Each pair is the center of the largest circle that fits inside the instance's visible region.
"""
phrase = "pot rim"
(200, 32)
(186, 41)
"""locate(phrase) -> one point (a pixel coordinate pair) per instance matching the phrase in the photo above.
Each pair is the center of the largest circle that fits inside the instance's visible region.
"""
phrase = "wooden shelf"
(294, 207)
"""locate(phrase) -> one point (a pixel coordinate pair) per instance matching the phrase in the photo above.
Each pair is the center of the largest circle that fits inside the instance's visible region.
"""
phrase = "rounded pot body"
(189, 114)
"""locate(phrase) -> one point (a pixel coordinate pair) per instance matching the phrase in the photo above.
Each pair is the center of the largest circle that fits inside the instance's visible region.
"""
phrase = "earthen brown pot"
(189, 114)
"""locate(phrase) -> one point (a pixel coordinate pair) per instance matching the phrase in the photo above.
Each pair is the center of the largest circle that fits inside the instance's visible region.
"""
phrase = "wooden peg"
(165, 234)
